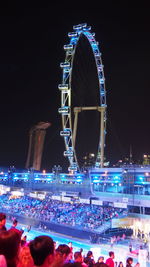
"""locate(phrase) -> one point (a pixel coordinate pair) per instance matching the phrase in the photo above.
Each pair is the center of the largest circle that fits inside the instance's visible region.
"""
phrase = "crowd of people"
(42, 251)
(78, 215)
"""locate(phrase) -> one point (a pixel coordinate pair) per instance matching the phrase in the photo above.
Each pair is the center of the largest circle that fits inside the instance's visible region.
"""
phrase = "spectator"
(9, 247)
(89, 260)
(111, 242)
(42, 250)
(63, 251)
(120, 264)
(13, 227)
(70, 245)
(77, 215)
(3, 261)
(81, 250)
(129, 262)
(25, 259)
(100, 259)
(78, 258)
(110, 260)
(14, 224)
(24, 241)
(28, 228)
(2, 222)
(71, 251)
(130, 247)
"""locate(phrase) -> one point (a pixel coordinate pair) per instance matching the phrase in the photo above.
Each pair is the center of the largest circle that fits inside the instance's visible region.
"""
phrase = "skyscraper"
(36, 143)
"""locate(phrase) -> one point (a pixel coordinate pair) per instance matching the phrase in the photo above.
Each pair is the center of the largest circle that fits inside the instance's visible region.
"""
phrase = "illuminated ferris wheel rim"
(65, 88)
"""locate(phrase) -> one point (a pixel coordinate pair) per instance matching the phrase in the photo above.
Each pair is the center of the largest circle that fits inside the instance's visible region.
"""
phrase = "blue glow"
(49, 179)
(116, 177)
(94, 45)
(63, 176)
(64, 179)
(95, 177)
(74, 40)
(96, 181)
(78, 180)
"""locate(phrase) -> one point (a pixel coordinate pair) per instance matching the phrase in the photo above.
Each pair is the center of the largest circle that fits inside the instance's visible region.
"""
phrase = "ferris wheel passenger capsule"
(68, 153)
(72, 34)
(77, 27)
(65, 64)
(64, 110)
(68, 47)
(65, 133)
(63, 87)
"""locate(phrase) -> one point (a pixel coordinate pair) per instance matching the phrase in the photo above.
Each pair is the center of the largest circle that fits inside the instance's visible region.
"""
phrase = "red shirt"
(110, 262)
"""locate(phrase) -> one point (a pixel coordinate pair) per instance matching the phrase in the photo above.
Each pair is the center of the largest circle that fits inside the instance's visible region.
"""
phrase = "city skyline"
(31, 52)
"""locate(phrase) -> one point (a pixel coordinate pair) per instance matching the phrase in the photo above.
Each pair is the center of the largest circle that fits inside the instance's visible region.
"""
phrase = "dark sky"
(31, 49)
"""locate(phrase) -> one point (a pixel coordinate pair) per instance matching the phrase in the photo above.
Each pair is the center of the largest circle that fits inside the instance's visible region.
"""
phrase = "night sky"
(31, 49)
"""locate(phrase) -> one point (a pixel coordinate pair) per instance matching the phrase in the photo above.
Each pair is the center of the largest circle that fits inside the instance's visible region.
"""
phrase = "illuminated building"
(36, 142)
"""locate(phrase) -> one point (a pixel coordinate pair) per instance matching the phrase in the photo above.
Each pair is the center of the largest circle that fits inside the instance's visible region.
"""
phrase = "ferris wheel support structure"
(102, 111)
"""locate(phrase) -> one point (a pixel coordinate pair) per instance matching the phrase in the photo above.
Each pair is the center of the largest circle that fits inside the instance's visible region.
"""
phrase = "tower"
(36, 143)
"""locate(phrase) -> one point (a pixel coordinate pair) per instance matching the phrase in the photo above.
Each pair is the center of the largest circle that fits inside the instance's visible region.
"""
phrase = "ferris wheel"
(70, 113)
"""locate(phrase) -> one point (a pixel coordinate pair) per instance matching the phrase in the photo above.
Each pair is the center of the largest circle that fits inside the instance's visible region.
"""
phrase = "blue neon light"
(141, 177)
(116, 177)
(64, 179)
(79, 180)
(96, 181)
(95, 177)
